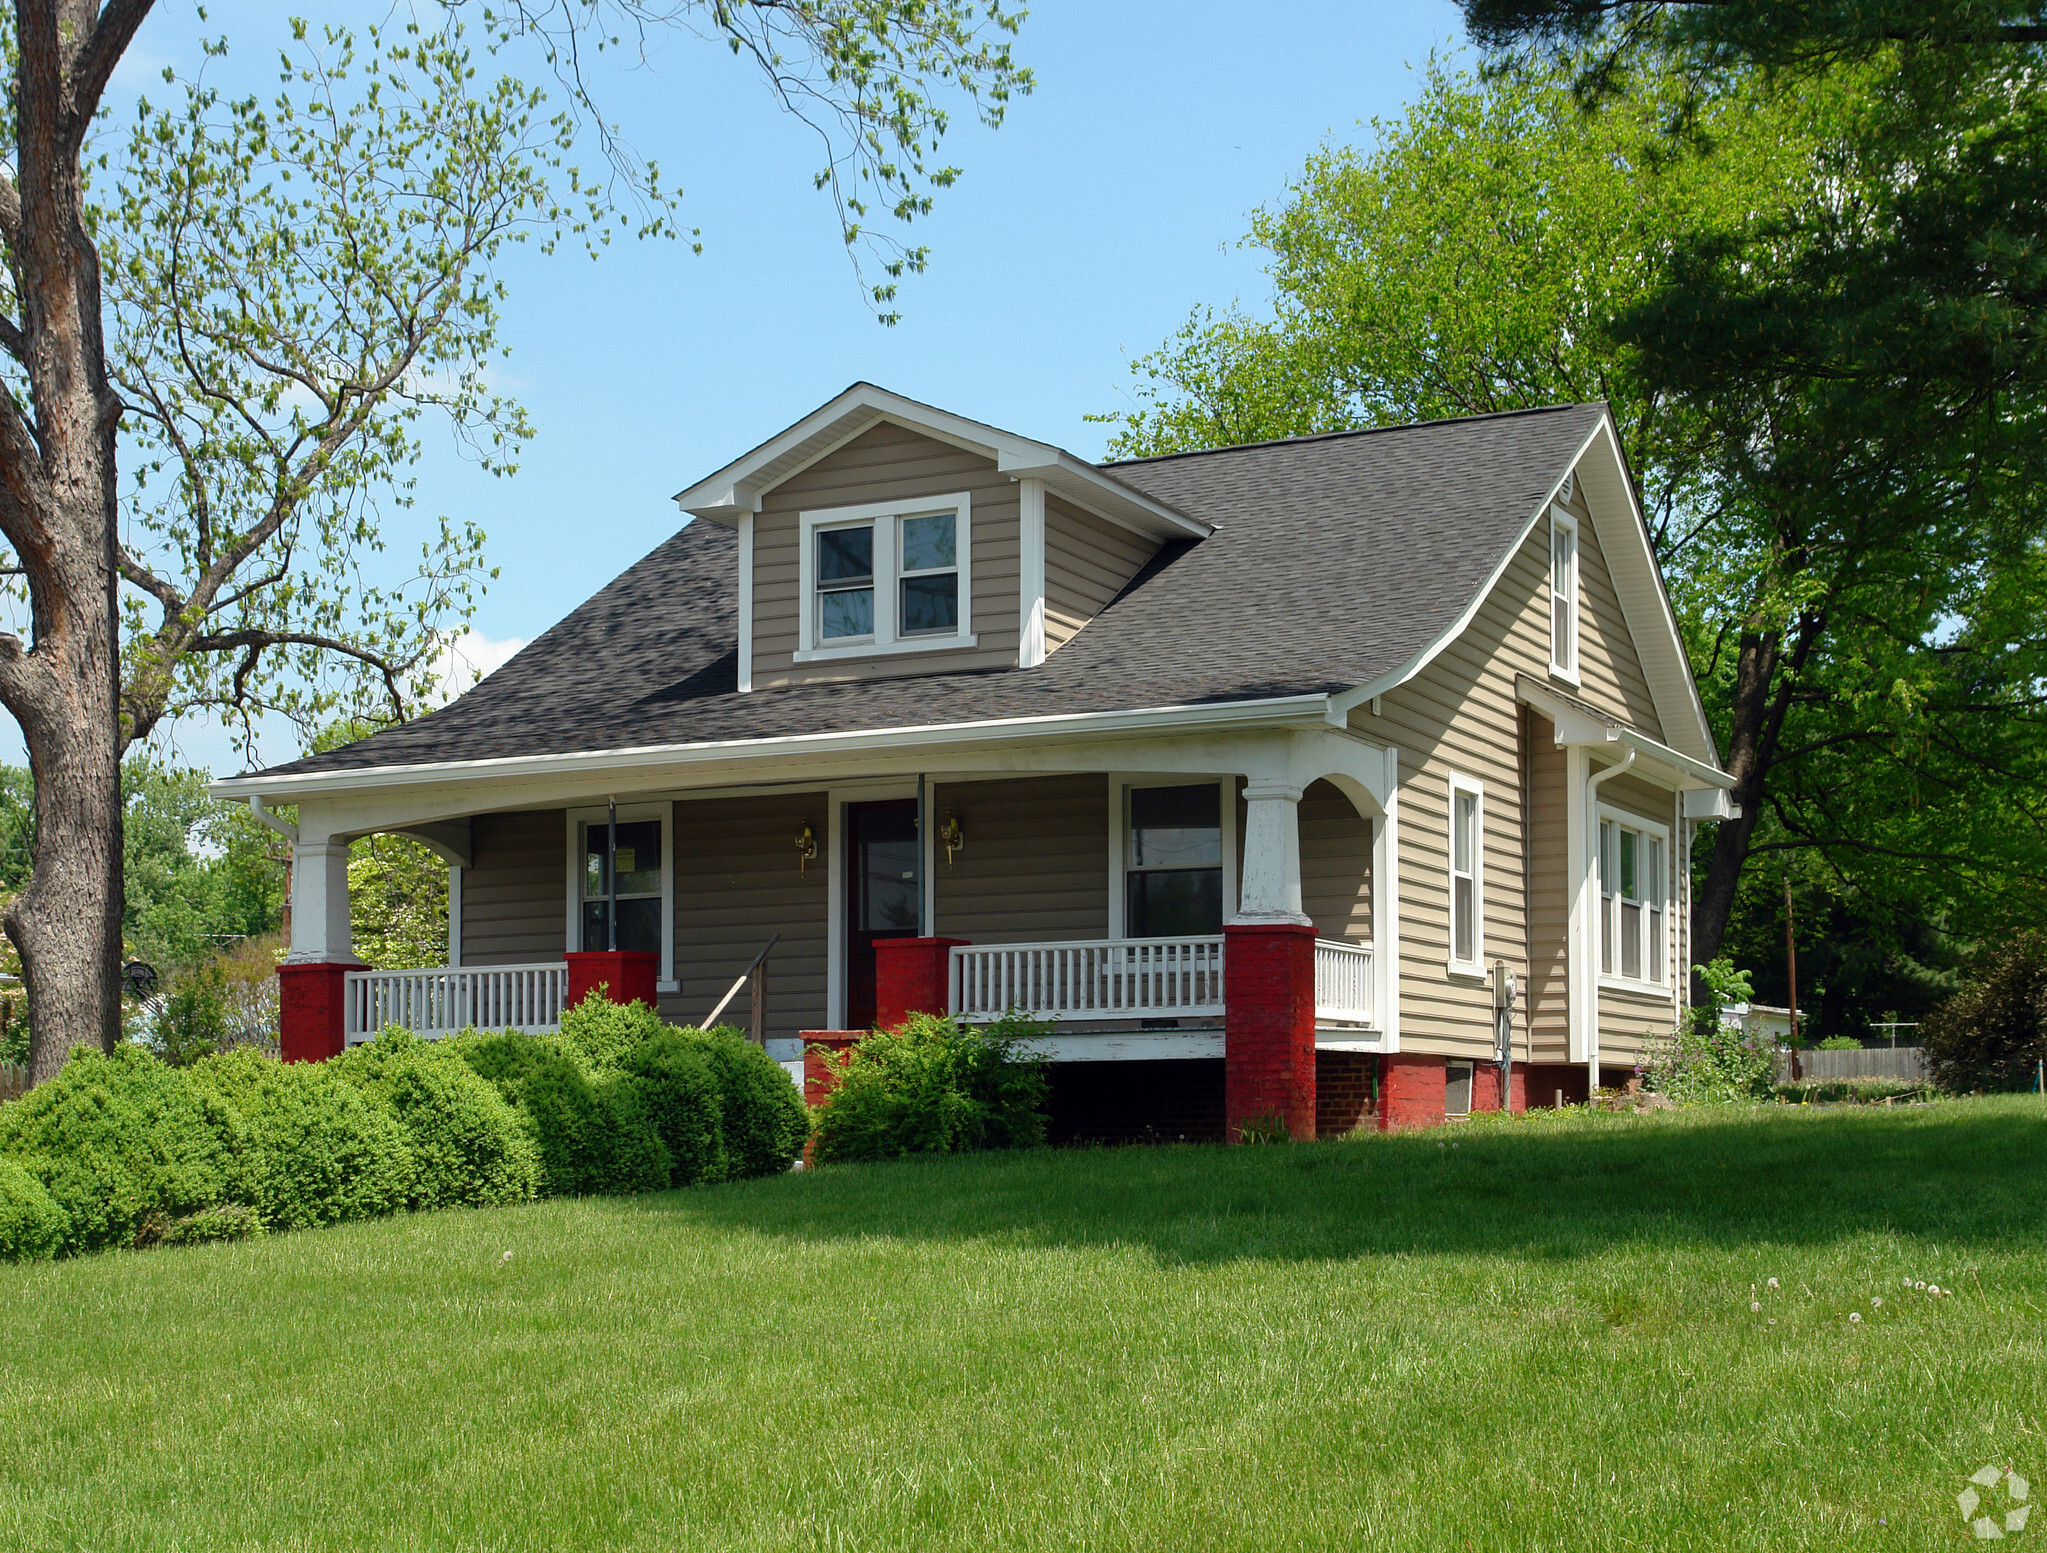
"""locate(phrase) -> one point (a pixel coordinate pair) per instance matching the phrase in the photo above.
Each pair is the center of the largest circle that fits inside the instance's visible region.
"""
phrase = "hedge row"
(124, 1149)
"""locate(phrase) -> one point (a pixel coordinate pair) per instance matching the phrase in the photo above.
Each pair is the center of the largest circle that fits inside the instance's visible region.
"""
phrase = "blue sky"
(1081, 234)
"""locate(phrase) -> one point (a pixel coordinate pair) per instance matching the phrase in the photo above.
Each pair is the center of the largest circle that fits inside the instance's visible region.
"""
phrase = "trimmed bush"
(116, 1138)
(1992, 1035)
(603, 1032)
(320, 1150)
(684, 1102)
(230, 1221)
(934, 1086)
(763, 1119)
(32, 1226)
(469, 1146)
(592, 1137)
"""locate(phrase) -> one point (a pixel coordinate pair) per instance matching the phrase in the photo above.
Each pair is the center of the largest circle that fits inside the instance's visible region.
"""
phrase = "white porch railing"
(1343, 982)
(442, 1001)
(1103, 978)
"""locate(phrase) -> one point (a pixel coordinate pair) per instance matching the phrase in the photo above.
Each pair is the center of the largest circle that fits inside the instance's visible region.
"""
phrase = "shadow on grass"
(1969, 1174)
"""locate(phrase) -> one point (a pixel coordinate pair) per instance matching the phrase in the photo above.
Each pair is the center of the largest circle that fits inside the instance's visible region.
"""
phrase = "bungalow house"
(1295, 781)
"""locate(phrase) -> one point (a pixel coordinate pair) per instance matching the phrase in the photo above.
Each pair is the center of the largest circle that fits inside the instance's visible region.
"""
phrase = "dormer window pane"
(927, 543)
(930, 589)
(845, 582)
(845, 612)
(931, 604)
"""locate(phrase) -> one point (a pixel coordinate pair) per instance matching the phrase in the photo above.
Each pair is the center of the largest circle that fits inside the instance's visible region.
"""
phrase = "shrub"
(1993, 1033)
(191, 1021)
(320, 1151)
(469, 1146)
(685, 1104)
(603, 1031)
(1840, 1043)
(230, 1221)
(763, 1119)
(934, 1086)
(32, 1226)
(116, 1137)
(592, 1135)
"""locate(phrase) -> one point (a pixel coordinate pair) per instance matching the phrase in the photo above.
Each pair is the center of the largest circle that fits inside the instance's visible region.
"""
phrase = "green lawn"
(1539, 1337)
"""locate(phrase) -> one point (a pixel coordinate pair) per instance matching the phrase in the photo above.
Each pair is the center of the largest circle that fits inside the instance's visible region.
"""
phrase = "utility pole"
(1791, 963)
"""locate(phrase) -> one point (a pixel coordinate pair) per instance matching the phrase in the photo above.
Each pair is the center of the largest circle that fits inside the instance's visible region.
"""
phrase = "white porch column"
(1272, 855)
(320, 933)
(1386, 909)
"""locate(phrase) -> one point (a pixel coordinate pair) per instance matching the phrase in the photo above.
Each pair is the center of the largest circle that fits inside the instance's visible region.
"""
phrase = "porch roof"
(1335, 560)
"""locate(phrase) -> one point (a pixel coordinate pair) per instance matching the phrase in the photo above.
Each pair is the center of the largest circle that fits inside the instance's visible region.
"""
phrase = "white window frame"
(1562, 523)
(665, 813)
(1464, 786)
(1608, 923)
(885, 518)
(1119, 839)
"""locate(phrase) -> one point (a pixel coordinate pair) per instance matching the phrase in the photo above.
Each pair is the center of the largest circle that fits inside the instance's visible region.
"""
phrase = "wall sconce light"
(806, 847)
(950, 836)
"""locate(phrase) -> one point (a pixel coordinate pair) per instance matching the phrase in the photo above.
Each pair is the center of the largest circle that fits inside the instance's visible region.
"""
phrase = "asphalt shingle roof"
(1336, 559)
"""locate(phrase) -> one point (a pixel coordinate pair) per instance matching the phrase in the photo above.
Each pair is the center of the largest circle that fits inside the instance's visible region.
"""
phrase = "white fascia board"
(737, 488)
(1277, 712)
(1341, 704)
(1575, 725)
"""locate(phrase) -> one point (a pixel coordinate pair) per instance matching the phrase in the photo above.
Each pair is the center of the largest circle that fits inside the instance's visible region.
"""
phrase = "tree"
(398, 902)
(266, 301)
(1865, 658)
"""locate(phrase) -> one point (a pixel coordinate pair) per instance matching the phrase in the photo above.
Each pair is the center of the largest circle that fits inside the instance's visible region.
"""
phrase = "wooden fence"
(13, 1081)
(1900, 1062)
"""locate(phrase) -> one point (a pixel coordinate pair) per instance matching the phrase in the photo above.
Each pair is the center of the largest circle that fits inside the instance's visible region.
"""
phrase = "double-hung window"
(887, 577)
(1563, 594)
(1632, 895)
(634, 911)
(1467, 875)
(1173, 862)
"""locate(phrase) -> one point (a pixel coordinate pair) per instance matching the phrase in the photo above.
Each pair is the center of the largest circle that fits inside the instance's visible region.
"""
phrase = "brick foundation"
(1269, 1026)
(1136, 1102)
(1346, 1084)
(1543, 1081)
(1411, 1091)
(1485, 1086)
(310, 1013)
(624, 975)
(817, 1079)
(911, 976)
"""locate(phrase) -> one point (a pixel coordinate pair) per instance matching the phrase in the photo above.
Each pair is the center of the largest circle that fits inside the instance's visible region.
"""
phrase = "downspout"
(1596, 948)
(284, 828)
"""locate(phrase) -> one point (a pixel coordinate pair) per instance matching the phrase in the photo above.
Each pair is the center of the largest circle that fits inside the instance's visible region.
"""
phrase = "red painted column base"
(1410, 1091)
(622, 975)
(1485, 1087)
(310, 1016)
(1269, 1028)
(912, 976)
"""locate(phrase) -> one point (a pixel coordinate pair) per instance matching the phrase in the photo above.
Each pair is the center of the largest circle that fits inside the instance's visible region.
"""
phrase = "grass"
(1538, 1338)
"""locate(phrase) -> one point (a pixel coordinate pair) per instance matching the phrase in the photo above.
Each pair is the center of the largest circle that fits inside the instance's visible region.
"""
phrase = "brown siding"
(1087, 562)
(515, 889)
(1336, 865)
(885, 463)
(1036, 864)
(1548, 1016)
(737, 883)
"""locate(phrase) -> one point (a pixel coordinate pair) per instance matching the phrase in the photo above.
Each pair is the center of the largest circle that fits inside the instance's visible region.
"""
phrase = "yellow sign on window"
(625, 861)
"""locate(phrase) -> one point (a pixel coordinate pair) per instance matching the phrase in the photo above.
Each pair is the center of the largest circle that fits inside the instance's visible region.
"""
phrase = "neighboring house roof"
(1336, 561)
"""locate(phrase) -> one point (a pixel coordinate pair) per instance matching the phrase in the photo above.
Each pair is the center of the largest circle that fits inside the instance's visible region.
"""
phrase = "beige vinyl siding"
(1336, 864)
(738, 881)
(1609, 670)
(1547, 1015)
(1627, 1018)
(1087, 562)
(1036, 864)
(515, 889)
(885, 463)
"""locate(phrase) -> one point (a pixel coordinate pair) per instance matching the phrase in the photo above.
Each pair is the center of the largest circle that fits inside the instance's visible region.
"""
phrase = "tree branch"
(94, 67)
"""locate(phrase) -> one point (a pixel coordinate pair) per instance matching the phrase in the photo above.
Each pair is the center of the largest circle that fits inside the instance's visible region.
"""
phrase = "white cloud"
(468, 658)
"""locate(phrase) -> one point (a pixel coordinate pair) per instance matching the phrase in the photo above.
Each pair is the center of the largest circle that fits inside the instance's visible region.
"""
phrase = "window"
(1456, 1088)
(1631, 900)
(1173, 862)
(1467, 870)
(885, 578)
(639, 886)
(1563, 594)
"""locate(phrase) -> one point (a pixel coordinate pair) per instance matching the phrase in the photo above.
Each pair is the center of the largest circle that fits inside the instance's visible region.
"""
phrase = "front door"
(881, 893)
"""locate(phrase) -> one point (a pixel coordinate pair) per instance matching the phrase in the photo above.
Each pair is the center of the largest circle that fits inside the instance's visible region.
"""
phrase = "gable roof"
(1332, 563)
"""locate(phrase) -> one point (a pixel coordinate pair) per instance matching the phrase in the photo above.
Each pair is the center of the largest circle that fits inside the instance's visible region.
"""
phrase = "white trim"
(1561, 523)
(1030, 651)
(1134, 1045)
(454, 916)
(1120, 783)
(1386, 907)
(1642, 826)
(662, 810)
(746, 602)
(885, 518)
(1576, 723)
(1277, 712)
(1460, 784)
(837, 796)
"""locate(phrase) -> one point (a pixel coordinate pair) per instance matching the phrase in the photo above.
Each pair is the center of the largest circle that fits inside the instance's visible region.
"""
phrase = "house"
(1257, 771)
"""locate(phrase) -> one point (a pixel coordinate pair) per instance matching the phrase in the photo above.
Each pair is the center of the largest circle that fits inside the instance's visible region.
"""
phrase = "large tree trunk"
(57, 509)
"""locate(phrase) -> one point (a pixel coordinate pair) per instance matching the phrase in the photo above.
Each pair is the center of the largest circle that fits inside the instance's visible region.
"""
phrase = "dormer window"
(885, 578)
